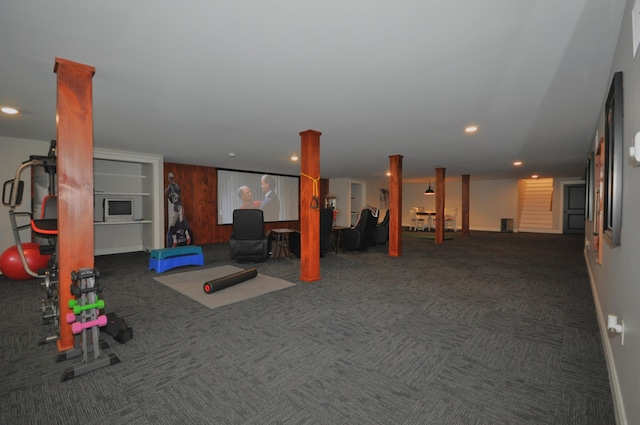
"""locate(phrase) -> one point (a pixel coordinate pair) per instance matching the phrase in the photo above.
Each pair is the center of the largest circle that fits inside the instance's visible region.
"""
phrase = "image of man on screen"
(246, 198)
(271, 204)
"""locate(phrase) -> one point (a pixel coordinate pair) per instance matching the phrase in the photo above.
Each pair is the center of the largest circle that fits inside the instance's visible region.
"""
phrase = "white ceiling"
(197, 79)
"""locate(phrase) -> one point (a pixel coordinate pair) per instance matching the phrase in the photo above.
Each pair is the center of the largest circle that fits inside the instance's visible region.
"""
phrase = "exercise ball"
(11, 265)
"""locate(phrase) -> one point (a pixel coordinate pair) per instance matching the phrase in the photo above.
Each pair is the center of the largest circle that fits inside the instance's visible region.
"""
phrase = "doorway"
(573, 208)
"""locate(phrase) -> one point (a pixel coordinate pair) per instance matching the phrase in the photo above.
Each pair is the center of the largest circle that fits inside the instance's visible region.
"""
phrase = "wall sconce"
(429, 190)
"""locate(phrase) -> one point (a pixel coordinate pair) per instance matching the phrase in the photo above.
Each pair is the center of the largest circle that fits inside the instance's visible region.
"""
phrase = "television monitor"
(233, 185)
(117, 210)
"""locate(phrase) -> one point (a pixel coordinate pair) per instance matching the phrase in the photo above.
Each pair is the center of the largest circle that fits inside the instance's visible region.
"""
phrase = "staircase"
(535, 212)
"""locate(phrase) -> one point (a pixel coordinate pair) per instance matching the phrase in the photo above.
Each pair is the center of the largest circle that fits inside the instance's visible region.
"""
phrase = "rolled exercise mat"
(230, 280)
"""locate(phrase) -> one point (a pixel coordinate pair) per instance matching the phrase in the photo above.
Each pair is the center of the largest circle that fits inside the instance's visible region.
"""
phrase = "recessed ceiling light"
(535, 176)
(517, 163)
(231, 154)
(471, 129)
(9, 110)
(388, 173)
(294, 157)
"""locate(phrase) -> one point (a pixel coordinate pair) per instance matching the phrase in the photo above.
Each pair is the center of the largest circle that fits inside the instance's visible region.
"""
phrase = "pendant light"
(429, 190)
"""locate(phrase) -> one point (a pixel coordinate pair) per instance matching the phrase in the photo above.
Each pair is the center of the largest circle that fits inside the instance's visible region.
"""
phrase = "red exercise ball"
(11, 265)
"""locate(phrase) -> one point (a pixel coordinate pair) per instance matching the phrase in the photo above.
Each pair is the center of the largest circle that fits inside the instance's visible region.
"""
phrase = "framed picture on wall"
(598, 201)
(589, 187)
(613, 146)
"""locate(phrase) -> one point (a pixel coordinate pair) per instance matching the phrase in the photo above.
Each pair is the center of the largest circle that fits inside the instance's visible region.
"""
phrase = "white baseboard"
(618, 404)
(118, 250)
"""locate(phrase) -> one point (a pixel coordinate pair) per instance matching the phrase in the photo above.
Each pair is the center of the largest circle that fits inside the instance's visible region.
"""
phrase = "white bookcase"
(136, 177)
(350, 198)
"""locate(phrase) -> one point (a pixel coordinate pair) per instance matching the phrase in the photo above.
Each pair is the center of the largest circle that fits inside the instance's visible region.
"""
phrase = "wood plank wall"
(198, 186)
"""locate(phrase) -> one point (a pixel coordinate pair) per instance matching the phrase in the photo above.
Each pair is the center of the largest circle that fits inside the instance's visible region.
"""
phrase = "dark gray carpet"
(425, 235)
(492, 329)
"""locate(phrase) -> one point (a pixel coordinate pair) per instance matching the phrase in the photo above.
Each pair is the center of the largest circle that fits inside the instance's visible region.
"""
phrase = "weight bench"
(165, 259)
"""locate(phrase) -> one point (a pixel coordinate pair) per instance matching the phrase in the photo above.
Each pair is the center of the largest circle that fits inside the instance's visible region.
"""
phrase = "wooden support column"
(465, 205)
(74, 135)
(309, 206)
(439, 205)
(395, 206)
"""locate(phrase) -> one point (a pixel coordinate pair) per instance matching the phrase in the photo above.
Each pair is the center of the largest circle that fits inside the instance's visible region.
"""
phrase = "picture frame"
(613, 147)
(598, 201)
(589, 187)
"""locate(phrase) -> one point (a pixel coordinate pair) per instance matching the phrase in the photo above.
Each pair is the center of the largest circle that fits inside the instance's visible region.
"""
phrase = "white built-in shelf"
(99, 192)
(136, 176)
(112, 223)
(350, 196)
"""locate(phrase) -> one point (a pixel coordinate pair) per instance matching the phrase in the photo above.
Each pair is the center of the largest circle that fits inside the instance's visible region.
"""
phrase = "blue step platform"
(165, 259)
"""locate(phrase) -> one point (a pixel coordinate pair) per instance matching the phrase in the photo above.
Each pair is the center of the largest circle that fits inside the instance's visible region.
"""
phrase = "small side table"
(282, 242)
(337, 240)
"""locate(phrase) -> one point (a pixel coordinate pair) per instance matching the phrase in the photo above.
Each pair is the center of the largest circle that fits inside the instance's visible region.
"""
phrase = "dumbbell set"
(82, 275)
(85, 320)
(85, 309)
(77, 327)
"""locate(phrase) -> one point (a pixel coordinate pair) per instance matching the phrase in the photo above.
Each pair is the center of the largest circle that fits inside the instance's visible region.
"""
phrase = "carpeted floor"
(491, 329)
(425, 235)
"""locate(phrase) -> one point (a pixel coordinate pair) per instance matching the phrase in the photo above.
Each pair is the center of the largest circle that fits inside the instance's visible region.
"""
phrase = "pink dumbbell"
(77, 327)
(71, 317)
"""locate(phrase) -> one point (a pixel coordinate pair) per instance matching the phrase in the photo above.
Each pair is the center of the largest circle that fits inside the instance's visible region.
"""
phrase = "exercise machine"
(42, 220)
(83, 312)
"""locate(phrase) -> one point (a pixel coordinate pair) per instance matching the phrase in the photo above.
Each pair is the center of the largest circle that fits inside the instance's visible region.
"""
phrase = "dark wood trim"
(440, 173)
(466, 187)
(310, 205)
(74, 149)
(395, 206)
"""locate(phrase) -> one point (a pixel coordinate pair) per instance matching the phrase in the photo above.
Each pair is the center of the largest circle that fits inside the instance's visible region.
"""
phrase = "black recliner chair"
(382, 230)
(248, 242)
(363, 234)
(326, 242)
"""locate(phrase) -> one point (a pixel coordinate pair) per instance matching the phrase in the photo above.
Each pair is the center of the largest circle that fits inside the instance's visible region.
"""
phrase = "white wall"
(15, 152)
(489, 200)
(615, 281)
(340, 189)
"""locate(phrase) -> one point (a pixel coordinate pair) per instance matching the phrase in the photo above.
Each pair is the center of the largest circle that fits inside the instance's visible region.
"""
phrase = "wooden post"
(395, 206)
(439, 205)
(74, 135)
(465, 205)
(309, 206)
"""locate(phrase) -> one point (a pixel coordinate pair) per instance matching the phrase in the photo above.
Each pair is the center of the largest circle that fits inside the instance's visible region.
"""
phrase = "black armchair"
(326, 245)
(363, 234)
(382, 230)
(248, 242)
